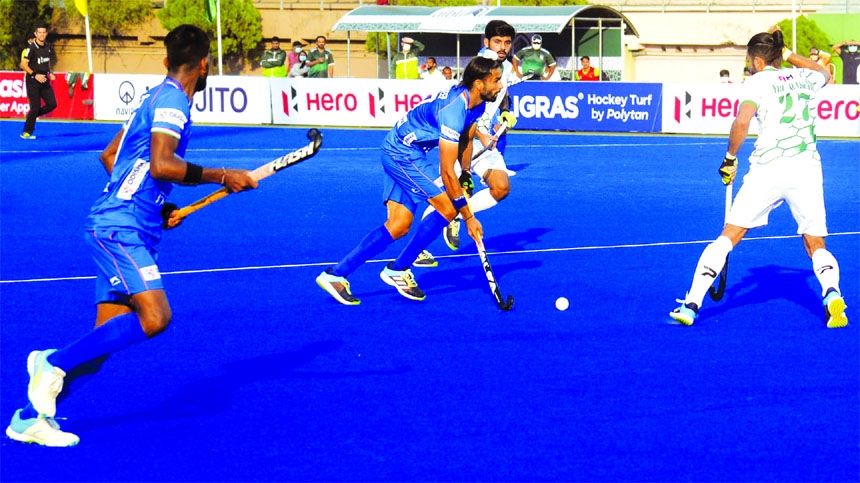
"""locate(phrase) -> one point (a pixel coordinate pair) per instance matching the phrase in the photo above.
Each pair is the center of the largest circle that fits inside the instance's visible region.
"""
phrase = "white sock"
(826, 270)
(708, 269)
(483, 200)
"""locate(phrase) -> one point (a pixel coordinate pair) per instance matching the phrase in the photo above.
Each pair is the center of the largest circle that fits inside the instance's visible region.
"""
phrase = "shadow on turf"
(214, 395)
(765, 284)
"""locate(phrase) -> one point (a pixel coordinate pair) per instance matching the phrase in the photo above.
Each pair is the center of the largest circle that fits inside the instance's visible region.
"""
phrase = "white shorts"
(492, 159)
(798, 182)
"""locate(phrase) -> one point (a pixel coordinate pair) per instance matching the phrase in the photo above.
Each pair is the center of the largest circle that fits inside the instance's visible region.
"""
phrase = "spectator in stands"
(274, 60)
(409, 49)
(587, 72)
(849, 52)
(320, 60)
(534, 58)
(293, 56)
(725, 78)
(448, 73)
(300, 68)
(823, 59)
(430, 71)
(747, 73)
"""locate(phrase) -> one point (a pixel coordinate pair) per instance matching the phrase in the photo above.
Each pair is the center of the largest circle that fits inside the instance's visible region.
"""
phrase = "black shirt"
(40, 58)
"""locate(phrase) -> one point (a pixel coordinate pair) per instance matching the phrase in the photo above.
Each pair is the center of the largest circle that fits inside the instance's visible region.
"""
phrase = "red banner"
(74, 93)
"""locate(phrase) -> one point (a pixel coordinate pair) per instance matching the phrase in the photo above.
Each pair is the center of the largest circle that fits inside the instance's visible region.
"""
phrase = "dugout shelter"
(596, 31)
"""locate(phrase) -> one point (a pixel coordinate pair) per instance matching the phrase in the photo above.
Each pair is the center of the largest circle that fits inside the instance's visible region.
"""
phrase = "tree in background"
(241, 28)
(808, 36)
(20, 18)
(110, 19)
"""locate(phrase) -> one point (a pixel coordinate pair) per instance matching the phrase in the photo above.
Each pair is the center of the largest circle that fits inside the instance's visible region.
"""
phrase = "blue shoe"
(403, 281)
(834, 310)
(686, 314)
(46, 382)
(41, 430)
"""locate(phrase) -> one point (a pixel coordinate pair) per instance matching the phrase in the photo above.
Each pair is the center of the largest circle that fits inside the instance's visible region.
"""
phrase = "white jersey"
(786, 111)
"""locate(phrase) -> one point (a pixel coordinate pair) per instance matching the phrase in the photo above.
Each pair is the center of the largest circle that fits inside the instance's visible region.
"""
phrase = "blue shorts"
(409, 182)
(126, 265)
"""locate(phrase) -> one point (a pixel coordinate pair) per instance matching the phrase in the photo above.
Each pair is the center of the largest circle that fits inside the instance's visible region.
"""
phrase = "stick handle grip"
(205, 201)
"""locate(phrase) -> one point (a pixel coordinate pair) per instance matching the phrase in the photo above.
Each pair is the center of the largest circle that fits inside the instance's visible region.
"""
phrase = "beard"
(201, 83)
(489, 96)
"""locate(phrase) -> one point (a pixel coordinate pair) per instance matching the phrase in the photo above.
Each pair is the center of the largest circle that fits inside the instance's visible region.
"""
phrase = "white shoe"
(42, 430)
(46, 382)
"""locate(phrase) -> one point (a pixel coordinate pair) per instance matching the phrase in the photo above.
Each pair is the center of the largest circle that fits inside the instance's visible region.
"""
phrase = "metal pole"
(89, 41)
(600, 48)
(348, 52)
(573, 47)
(220, 51)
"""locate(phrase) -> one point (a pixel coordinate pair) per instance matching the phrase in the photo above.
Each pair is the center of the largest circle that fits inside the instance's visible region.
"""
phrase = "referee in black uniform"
(37, 65)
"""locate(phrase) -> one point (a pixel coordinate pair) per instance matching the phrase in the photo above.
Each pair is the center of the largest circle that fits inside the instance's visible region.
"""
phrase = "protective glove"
(729, 168)
(466, 182)
(166, 210)
(508, 116)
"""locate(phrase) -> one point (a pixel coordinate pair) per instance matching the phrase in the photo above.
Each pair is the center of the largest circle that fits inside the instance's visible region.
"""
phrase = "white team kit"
(785, 164)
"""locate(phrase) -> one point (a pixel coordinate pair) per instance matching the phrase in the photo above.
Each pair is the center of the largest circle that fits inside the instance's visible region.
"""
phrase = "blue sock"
(428, 230)
(371, 245)
(28, 412)
(116, 334)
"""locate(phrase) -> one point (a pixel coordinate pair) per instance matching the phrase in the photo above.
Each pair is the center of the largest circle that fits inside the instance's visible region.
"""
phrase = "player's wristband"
(459, 202)
(193, 174)
(785, 54)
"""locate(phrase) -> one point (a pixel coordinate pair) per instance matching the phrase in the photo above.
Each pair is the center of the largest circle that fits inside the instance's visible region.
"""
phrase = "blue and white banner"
(587, 106)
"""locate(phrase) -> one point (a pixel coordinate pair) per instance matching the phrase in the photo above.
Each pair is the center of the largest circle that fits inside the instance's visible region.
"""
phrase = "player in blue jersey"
(123, 230)
(447, 120)
(490, 166)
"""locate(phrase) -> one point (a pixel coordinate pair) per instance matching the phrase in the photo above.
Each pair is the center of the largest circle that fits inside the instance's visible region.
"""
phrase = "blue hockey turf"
(263, 377)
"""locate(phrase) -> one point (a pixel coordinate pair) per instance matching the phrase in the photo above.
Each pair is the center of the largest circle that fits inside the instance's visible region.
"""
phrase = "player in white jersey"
(785, 166)
(490, 166)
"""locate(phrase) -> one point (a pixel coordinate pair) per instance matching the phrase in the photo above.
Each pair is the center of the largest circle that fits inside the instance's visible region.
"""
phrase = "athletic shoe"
(337, 287)
(41, 430)
(834, 310)
(26, 135)
(685, 314)
(425, 260)
(46, 382)
(452, 234)
(403, 281)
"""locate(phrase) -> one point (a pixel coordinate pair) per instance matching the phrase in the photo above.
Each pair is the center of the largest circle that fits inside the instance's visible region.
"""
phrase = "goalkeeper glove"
(466, 182)
(729, 168)
(508, 116)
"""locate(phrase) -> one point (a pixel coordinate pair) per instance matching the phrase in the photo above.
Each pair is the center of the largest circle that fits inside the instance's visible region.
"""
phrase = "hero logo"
(710, 107)
(547, 107)
(838, 110)
(12, 88)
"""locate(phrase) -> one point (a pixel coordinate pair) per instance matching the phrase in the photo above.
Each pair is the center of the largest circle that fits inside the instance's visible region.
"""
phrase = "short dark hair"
(767, 46)
(499, 28)
(276, 39)
(320, 37)
(724, 72)
(297, 44)
(186, 46)
(431, 58)
(585, 57)
(478, 68)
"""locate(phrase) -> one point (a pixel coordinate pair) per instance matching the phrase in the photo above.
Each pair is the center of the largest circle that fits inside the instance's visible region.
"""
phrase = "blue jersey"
(440, 117)
(133, 199)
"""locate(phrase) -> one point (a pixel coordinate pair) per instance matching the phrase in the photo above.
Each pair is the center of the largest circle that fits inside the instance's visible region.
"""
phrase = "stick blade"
(508, 305)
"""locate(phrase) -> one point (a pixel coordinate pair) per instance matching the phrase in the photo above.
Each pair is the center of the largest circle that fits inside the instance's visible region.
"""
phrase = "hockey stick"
(504, 126)
(262, 172)
(494, 285)
(717, 292)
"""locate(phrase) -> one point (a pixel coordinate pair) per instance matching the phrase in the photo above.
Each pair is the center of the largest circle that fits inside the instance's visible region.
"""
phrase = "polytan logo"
(683, 108)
